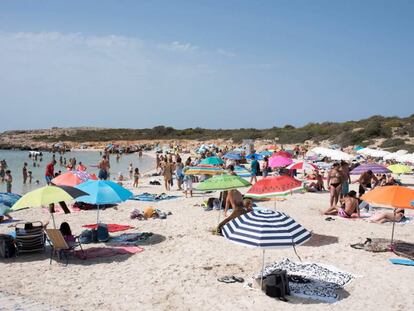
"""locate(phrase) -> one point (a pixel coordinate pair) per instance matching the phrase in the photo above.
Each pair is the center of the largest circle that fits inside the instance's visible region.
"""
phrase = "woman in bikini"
(335, 179)
(349, 205)
(383, 217)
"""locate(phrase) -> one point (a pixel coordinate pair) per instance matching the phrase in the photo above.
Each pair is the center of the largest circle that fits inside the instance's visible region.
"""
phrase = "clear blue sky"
(204, 63)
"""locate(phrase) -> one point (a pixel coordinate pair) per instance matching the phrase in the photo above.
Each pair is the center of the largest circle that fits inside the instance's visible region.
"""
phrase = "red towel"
(99, 252)
(111, 227)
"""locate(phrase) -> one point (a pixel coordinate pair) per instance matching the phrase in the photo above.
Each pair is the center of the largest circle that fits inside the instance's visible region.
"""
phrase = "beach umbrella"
(256, 156)
(48, 195)
(279, 161)
(374, 167)
(101, 192)
(204, 170)
(222, 183)
(391, 197)
(9, 199)
(232, 156)
(272, 187)
(283, 153)
(212, 161)
(242, 171)
(305, 166)
(399, 169)
(73, 178)
(265, 229)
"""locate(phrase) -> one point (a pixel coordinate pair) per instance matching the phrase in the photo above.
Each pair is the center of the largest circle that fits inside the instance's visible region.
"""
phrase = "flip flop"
(238, 279)
(227, 279)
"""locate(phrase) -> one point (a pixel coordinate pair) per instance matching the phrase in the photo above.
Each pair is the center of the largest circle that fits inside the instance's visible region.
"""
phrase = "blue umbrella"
(232, 156)
(8, 199)
(103, 192)
(266, 153)
(255, 156)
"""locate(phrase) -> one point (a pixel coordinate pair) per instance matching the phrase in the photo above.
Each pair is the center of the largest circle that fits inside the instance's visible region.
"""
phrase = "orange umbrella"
(391, 196)
(73, 178)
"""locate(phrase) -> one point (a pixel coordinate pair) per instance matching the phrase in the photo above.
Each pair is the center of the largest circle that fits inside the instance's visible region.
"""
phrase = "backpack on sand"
(277, 285)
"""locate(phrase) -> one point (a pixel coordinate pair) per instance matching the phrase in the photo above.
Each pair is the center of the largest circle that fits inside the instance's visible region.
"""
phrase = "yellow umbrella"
(400, 169)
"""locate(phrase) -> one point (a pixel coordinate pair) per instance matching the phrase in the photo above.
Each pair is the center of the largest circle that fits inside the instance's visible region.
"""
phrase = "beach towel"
(111, 227)
(312, 280)
(152, 197)
(399, 261)
(130, 238)
(101, 252)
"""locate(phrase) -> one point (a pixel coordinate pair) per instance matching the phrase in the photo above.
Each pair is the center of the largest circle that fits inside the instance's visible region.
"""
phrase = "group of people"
(170, 166)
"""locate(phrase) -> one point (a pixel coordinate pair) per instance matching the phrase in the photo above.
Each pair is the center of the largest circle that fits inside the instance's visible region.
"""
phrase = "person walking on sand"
(50, 172)
(254, 170)
(9, 180)
(166, 172)
(24, 171)
(103, 167)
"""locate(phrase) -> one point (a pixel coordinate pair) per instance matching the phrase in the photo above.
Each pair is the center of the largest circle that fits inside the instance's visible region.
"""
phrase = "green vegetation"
(360, 132)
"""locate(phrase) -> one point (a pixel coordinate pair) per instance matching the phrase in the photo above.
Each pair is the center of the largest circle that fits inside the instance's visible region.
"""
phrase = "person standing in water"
(104, 167)
(9, 180)
(50, 172)
(24, 171)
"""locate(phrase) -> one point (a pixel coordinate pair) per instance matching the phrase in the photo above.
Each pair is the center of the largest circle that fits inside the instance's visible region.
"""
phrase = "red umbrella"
(274, 187)
(306, 166)
(283, 153)
(73, 178)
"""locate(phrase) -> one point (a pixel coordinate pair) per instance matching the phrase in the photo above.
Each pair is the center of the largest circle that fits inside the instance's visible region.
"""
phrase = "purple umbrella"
(374, 167)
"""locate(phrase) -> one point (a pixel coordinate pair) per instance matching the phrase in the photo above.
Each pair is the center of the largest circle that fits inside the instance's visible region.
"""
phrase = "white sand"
(180, 273)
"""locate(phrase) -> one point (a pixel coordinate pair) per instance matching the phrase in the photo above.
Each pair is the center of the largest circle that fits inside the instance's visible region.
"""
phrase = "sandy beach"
(179, 267)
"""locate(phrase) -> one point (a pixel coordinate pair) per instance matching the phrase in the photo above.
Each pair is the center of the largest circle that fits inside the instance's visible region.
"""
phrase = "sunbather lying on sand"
(383, 217)
(349, 204)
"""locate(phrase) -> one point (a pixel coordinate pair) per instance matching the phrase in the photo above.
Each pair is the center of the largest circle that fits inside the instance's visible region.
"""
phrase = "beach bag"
(102, 233)
(7, 246)
(277, 285)
(87, 236)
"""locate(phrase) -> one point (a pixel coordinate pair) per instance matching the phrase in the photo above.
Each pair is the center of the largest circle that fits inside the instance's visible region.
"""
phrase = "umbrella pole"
(53, 219)
(97, 216)
(263, 261)
(393, 226)
(219, 212)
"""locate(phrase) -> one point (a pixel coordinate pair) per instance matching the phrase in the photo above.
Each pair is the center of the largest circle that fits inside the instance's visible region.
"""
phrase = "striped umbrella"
(305, 166)
(374, 167)
(265, 229)
(203, 170)
(279, 161)
(274, 187)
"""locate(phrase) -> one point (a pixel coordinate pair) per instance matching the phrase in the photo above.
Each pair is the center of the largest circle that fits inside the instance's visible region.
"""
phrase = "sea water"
(15, 160)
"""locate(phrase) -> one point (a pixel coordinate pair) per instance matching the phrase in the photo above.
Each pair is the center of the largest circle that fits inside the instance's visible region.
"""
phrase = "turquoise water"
(15, 160)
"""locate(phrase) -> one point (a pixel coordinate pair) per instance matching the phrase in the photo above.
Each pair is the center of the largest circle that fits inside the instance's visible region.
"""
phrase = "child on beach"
(136, 178)
(30, 177)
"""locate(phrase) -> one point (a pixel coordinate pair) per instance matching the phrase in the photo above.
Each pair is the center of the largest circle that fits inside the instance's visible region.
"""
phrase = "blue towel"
(405, 262)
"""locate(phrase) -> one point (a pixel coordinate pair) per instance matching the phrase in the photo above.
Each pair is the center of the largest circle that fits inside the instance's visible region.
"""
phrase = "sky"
(204, 63)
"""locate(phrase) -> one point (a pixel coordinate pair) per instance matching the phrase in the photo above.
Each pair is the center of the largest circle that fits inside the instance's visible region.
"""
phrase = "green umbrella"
(212, 161)
(223, 182)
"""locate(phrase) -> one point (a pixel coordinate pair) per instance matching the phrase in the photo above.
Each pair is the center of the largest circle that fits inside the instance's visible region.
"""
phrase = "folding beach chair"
(30, 237)
(59, 245)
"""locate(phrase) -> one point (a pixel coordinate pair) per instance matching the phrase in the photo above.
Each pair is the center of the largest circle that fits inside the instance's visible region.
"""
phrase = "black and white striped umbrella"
(265, 229)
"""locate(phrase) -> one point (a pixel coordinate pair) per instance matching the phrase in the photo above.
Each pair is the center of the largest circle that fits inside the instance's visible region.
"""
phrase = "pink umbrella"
(278, 161)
